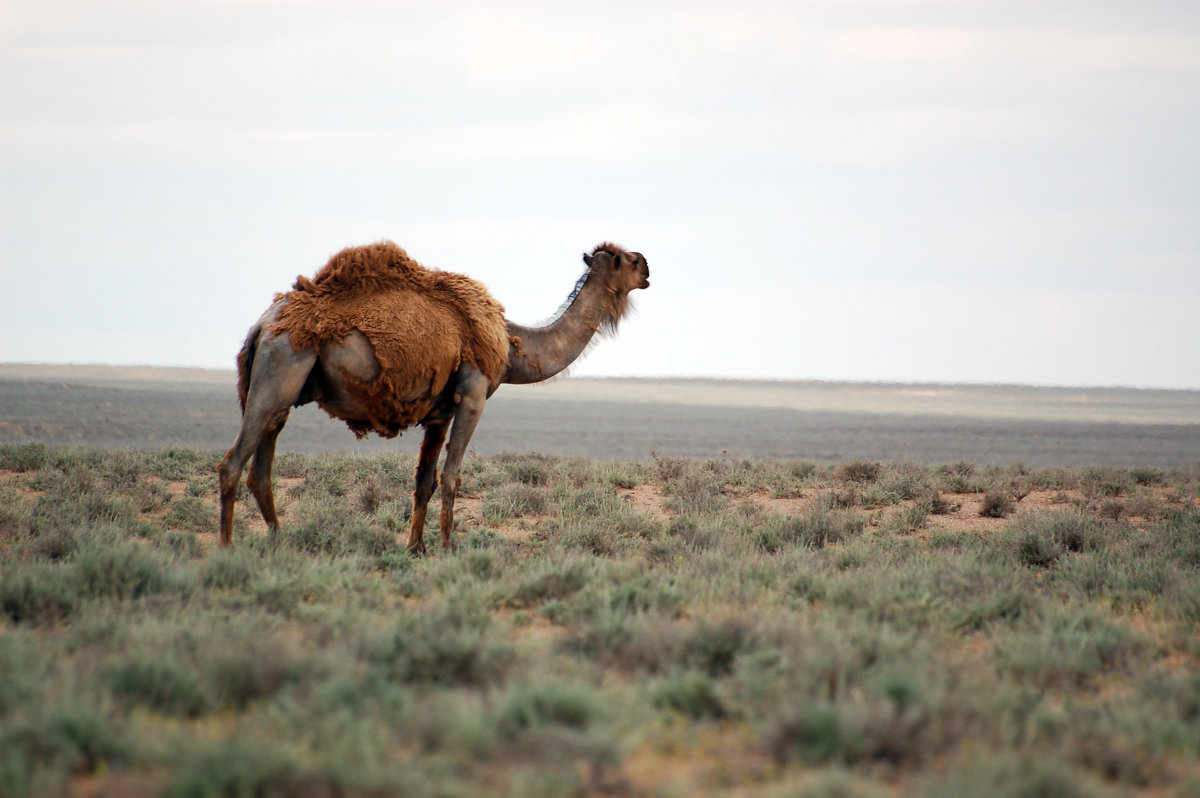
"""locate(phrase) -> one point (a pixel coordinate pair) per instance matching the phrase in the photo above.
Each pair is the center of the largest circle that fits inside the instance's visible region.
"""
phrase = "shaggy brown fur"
(422, 323)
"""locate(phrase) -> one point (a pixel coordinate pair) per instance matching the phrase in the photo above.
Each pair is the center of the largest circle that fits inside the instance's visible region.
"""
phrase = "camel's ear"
(596, 259)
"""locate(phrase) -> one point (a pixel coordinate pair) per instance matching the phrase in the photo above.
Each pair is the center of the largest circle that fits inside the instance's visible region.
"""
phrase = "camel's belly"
(348, 385)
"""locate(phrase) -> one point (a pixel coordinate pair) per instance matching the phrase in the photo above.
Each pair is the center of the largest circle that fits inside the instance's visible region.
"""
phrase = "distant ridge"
(102, 373)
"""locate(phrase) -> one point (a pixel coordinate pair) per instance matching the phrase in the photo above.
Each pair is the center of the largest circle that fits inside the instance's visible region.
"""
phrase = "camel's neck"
(538, 353)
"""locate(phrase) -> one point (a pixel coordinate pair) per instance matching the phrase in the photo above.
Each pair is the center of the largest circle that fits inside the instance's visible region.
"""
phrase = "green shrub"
(697, 492)
(713, 647)
(230, 569)
(535, 706)
(513, 501)
(37, 592)
(532, 470)
(1040, 774)
(996, 504)
(449, 645)
(326, 526)
(858, 471)
(816, 528)
(242, 766)
(190, 513)
(1069, 648)
(1104, 482)
(1034, 548)
(551, 580)
(690, 693)
(159, 684)
(813, 732)
(118, 570)
(1040, 538)
(24, 457)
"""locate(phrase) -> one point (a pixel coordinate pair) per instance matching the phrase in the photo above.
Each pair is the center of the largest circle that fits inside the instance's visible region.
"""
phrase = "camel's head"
(620, 270)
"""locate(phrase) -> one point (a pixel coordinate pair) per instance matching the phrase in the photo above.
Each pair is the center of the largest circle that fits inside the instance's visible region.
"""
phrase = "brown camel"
(383, 343)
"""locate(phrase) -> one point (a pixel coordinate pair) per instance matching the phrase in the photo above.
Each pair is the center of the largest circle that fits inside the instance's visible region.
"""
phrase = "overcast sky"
(959, 191)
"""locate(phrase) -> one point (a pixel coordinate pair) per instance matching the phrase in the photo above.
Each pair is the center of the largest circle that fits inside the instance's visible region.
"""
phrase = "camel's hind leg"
(426, 480)
(277, 378)
(471, 394)
(259, 480)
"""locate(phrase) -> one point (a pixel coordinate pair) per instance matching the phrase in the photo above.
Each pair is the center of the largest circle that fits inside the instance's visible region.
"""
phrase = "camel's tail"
(245, 363)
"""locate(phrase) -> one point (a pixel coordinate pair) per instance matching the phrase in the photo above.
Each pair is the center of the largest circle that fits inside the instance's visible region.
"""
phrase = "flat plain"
(630, 419)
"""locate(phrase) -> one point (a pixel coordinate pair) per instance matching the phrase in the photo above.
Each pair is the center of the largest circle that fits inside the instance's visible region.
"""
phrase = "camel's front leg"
(425, 479)
(470, 396)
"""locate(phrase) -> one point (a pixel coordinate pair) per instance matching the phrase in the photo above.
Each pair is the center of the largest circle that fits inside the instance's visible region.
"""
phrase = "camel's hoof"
(417, 549)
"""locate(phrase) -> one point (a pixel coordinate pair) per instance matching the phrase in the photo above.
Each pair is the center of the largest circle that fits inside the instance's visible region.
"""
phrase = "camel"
(382, 343)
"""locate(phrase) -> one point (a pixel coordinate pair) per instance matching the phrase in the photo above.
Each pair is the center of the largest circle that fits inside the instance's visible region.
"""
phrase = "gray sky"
(963, 191)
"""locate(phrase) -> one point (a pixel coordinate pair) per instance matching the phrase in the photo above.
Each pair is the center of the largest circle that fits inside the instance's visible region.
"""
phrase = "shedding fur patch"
(422, 323)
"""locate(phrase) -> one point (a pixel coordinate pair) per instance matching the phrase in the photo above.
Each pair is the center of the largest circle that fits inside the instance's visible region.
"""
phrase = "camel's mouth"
(645, 284)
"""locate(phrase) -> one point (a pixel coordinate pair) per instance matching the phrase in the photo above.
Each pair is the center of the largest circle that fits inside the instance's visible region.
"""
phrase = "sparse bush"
(1068, 649)
(326, 526)
(190, 513)
(861, 472)
(713, 647)
(538, 706)
(845, 497)
(514, 501)
(996, 504)
(452, 644)
(911, 518)
(24, 457)
(1034, 548)
(532, 470)
(1146, 506)
(1147, 477)
(816, 528)
(669, 469)
(1041, 538)
(812, 732)
(241, 767)
(959, 477)
(692, 694)
(1112, 509)
(1100, 483)
(931, 501)
(160, 684)
(554, 580)
(696, 493)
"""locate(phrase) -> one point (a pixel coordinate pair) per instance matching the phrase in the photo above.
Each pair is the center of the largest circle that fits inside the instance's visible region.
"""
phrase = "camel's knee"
(423, 491)
(228, 474)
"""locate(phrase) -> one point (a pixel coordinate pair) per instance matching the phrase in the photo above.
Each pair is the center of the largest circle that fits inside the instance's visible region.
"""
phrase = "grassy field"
(667, 626)
(826, 423)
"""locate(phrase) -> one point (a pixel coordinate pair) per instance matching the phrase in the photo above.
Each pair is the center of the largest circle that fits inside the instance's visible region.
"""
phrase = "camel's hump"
(365, 268)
